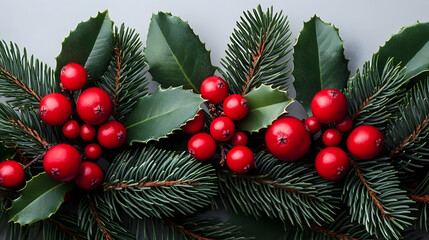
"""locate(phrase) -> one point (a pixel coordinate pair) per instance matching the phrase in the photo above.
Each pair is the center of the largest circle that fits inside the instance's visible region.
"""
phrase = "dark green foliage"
(421, 196)
(373, 97)
(287, 191)
(373, 194)
(257, 52)
(63, 225)
(125, 78)
(157, 183)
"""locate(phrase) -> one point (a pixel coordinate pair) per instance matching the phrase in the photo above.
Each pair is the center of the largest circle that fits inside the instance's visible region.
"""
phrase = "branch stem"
(20, 83)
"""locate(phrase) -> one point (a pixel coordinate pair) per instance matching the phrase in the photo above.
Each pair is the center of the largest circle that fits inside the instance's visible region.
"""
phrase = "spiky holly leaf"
(41, 197)
(175, 55)
(157, 115)
(319, 61)
(265, 105)
(90, 44)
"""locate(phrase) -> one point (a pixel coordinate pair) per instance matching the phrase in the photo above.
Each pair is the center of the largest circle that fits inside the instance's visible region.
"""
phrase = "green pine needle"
(421, 196)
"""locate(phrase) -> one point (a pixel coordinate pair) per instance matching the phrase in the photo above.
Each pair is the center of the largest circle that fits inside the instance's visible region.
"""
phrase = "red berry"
(344, 125)
(365, 142)
(54, 109)
(90, 176)
(239, 139)
(331, 137)
(287, 139)
(93, 151)
(235, 107)
(332, 163)
(202, 146)
(94, 106)
(312, 124)
(195, 125)
(73, 76)
(87, 132)
(329, 106)
(62, 162)
(214, 89)
(112, 134)
(222, 129)
(11, 174)
(240, 159)
(71, 129)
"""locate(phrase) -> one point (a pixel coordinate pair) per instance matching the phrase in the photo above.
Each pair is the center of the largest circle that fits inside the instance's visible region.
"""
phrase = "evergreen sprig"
(258, 52)
(373, 98)
(288, 191)
(421, 196)
(407, 135)
(150, 182)
(372, 192)
(24, 82)
(125, 78)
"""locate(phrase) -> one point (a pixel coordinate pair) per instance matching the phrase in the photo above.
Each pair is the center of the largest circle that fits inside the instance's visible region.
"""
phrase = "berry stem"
(34, 160)
(224, 152)
(70, 97)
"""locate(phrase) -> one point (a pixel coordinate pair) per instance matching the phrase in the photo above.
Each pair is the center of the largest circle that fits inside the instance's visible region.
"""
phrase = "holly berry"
(71, 129)
(344, 125)
(287, 139)
(332, 163)
(214, 89)
(331, 137)
(93, 151)
(73, 76)
(87, 132)
(222, 129)
(112, 134)
(94, 106)
(62, 162)
(11, 174)
(202, 146)
(329, 106)
(365, 142)
(90, 176)
(235, 107)
(195, 125)
(240, 159)
(54, 109)
(239, 139)
(312, 124)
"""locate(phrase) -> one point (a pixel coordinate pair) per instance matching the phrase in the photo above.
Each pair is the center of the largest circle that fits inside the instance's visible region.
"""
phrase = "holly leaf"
(175, 55)
(90, 44)
(319, 61)
(410, 48)
(265, 105)
(155, 116)
(41, 198)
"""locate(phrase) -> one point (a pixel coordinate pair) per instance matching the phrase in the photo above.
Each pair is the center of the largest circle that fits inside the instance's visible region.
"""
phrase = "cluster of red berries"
(202, 146)
(63, 162)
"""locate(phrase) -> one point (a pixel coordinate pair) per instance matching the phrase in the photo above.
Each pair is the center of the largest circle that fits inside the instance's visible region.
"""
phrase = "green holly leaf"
(410, 48)
(175, 55)
(265, 105)
(319, 61)
(41, 197)
(90, 44)
(155, 116)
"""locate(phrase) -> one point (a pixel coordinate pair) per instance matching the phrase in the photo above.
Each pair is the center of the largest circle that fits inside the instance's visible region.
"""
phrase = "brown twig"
(65, 229)
(97, 219)
(21, 84)
(35, 159)
(119, 61)
(188, 233)
(329, 233)
(254, 67)
(30, 131)
(370, 191)
(110, 187)
(420, 198)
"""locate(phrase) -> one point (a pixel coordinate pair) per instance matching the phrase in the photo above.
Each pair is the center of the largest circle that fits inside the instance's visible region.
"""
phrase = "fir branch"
(125, 78)
(421, 196)
(62, 225)
(24, 81)
(186, 232)
(258, 52)
(287, 191)
(373, 98)
(372, 192)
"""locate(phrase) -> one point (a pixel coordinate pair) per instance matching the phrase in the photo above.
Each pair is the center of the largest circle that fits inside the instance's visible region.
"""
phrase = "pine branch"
(287, 191)
(23, 81)
(372, 192)
(373, 98)
(125, 78)
(63, 225)
(421, 196)
(157, 183)
(258, 52)
(407, 134)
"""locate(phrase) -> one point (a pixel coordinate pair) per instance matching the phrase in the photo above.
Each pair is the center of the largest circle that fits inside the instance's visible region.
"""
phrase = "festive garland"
(88, 152)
